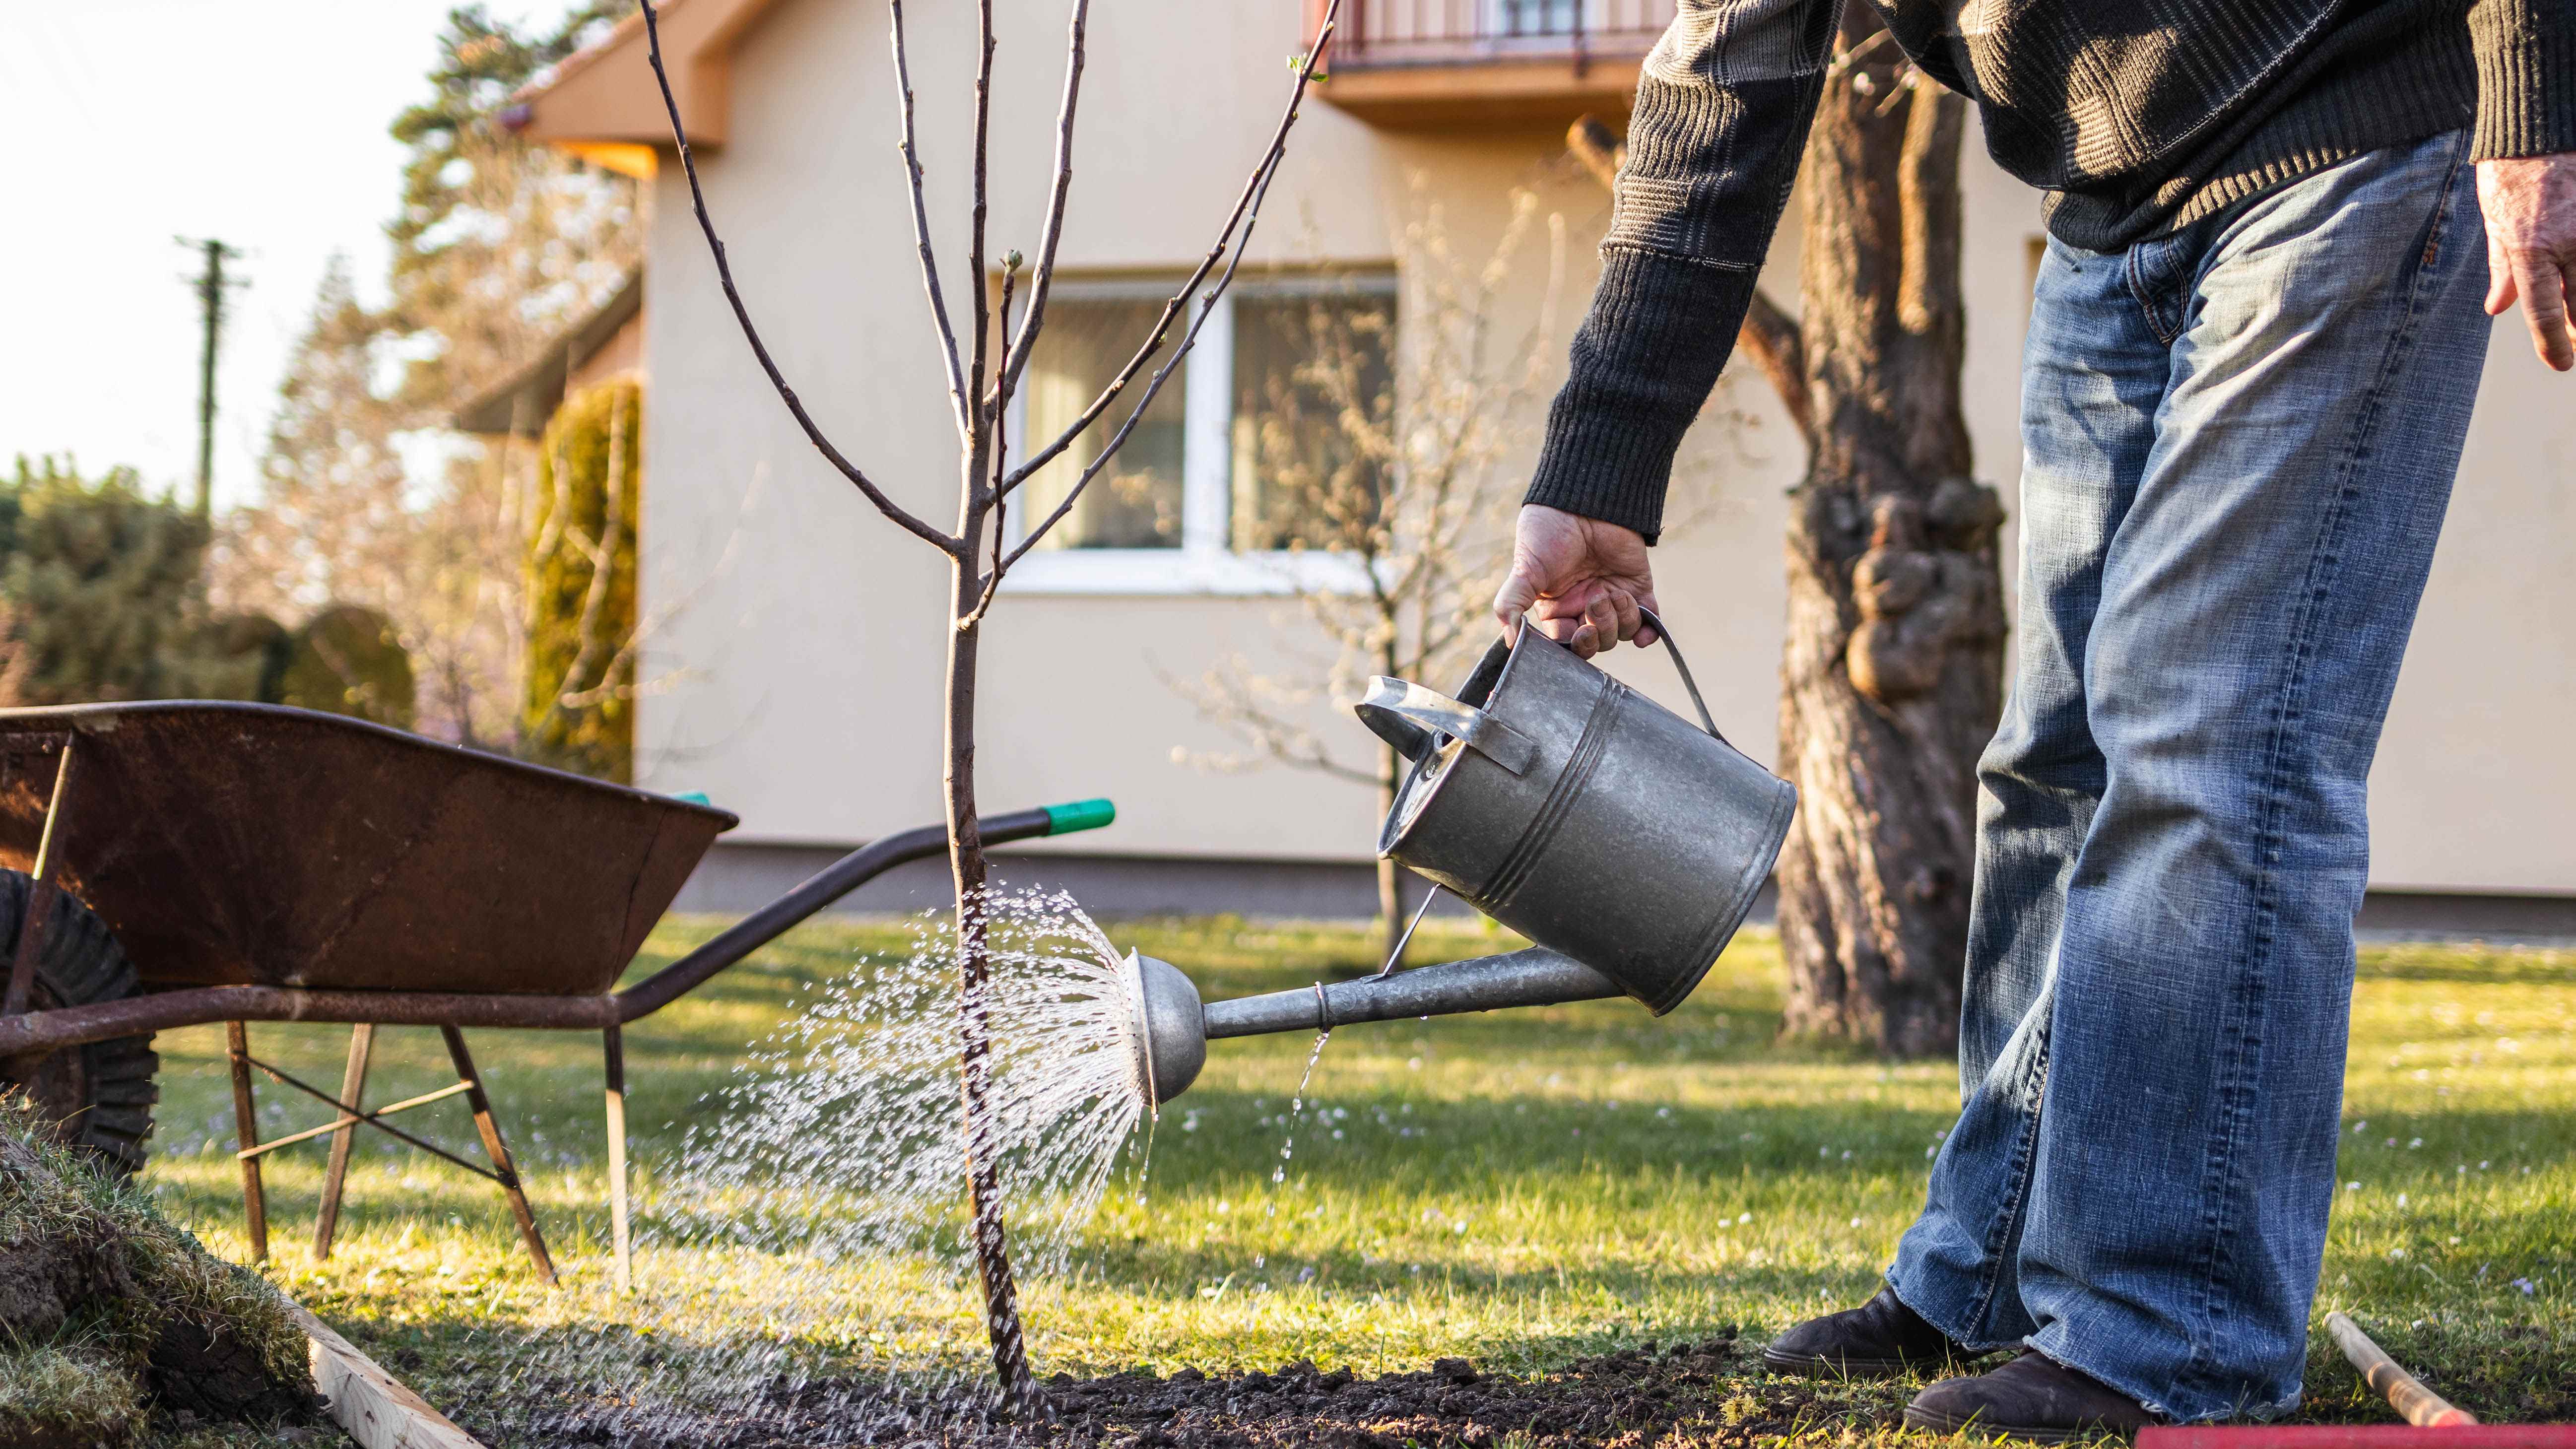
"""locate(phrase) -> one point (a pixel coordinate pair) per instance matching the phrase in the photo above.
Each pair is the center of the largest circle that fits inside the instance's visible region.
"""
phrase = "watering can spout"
(1172, 1027)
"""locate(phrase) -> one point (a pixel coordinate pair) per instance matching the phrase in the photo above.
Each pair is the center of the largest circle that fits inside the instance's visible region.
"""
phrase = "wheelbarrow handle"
(836, 880)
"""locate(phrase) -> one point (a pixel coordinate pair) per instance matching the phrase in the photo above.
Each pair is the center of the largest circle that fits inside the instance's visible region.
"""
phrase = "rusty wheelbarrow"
(189, 862)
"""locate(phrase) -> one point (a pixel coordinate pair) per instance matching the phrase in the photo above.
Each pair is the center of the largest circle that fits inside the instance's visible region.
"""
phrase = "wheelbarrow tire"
(100, 1095)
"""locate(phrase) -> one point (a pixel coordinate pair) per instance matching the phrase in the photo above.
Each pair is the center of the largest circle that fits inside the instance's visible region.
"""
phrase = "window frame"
(1205, 563)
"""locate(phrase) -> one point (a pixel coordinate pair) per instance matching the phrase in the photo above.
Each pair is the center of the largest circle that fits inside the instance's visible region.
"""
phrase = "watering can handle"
(1664, 632)
(1408, 715)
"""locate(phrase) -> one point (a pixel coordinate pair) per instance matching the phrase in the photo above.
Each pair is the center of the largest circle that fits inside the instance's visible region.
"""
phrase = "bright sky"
(133, 121)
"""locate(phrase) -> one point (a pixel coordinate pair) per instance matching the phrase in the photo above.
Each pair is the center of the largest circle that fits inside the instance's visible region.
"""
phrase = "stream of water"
(806, 1263)
(1296, 1108)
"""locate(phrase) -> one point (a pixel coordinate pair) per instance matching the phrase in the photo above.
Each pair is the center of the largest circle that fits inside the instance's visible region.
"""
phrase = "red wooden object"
(2360, 1436)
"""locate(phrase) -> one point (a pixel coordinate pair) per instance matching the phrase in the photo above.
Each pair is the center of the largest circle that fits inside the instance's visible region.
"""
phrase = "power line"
(210, 284)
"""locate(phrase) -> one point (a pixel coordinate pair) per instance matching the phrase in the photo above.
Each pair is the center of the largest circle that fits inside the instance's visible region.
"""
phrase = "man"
(2255, 341)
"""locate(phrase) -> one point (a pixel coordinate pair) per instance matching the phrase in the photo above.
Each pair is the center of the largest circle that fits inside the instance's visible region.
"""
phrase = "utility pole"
(210, 284)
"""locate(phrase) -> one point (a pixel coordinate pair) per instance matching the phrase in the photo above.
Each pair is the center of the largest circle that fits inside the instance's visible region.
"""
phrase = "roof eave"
(604, 104)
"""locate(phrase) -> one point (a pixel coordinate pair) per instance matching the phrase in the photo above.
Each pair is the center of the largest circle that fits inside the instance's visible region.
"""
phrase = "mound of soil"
(1622, 1400)
(108, 1313)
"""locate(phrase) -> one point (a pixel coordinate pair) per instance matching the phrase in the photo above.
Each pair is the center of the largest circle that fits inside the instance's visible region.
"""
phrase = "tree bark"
(1892, 669)
(975, 1041)
(970, 874)
(1390, 876)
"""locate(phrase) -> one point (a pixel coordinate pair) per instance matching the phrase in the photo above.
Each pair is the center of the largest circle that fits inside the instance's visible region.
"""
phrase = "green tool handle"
(1076, 815)
(837, 880)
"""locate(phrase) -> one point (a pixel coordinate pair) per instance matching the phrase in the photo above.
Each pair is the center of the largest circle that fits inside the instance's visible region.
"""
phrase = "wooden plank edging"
(371, 1405)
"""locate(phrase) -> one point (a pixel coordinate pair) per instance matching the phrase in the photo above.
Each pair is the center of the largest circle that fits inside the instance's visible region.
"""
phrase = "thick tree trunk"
(1390, 876)
(1892, 670)
(975, 1042)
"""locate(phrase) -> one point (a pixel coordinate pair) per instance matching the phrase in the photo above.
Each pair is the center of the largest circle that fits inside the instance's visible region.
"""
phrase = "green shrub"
(580, 708)
(346, 660)
(102, 598)
(103, 583)
(242, 656)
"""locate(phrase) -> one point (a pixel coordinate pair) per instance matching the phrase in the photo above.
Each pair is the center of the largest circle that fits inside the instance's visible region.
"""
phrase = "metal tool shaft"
(1535, 977)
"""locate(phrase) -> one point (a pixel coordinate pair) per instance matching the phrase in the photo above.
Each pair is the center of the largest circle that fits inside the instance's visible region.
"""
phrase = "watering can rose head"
(1166, 1028)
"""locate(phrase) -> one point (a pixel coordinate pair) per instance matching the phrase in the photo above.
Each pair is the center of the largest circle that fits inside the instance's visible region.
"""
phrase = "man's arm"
(2525, 146)
(1723, 107)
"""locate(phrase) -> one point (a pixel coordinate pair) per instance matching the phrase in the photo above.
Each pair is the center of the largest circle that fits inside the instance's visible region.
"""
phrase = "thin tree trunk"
(1891, 675)
(975, 1041)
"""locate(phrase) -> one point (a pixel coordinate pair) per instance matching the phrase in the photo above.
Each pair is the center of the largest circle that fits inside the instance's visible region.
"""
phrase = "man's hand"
(2530, 206)
(1582, 580)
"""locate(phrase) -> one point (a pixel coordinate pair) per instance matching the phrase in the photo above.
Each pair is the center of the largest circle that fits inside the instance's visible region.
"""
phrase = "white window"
(1534, 17)
(1203, 497)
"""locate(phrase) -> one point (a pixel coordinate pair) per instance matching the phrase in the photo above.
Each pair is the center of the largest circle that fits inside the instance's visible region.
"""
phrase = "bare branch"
(981, 346)
(1600, 149)
(1395, 477)
(1235, 702)
(921, 229)
(1016, 356)
(759, 349)
(1001, 452)
(650, 627)
(602, 555)
(1246, 214)
(1770, 337)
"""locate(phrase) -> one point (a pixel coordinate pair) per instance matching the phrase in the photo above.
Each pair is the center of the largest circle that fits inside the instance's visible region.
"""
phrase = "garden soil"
(1634, 1397)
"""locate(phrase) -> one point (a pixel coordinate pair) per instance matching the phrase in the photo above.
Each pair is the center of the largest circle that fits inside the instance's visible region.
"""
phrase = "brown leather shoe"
(2033, 1397)
(1880, 1339)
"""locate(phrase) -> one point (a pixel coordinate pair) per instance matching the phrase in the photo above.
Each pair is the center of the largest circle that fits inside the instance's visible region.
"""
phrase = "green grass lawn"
(1521, 1189)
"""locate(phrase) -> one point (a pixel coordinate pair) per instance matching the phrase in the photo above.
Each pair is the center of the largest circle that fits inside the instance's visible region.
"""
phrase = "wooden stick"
(356, 1119)
(2406, 1393)
(344, 1133)
(246, 1127)
(615, 1051)
(370, 1404)
(2357, 1436)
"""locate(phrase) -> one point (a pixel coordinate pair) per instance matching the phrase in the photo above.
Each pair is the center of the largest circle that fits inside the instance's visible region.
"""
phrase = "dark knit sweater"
(2135, 115)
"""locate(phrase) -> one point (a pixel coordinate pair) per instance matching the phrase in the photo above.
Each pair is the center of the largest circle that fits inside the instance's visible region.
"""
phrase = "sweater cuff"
(1643, 362)
(2526, 85)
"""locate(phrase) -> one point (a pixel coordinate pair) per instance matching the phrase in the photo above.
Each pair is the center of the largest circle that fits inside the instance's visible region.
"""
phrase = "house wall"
(797, 639)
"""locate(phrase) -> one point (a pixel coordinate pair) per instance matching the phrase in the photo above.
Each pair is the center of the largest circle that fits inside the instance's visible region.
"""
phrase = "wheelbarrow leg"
(246, 1126)
(353, 1093)
(502, 1171)
(614, 1042)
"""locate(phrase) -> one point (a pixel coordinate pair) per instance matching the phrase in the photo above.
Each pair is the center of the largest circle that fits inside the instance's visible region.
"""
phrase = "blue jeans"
(2240, 442)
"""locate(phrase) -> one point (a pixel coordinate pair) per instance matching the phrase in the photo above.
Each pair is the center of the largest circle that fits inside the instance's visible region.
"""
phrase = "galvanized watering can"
(1626, 841)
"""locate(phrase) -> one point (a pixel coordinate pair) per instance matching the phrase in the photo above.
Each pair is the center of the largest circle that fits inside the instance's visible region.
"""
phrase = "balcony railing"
(1374, 33)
